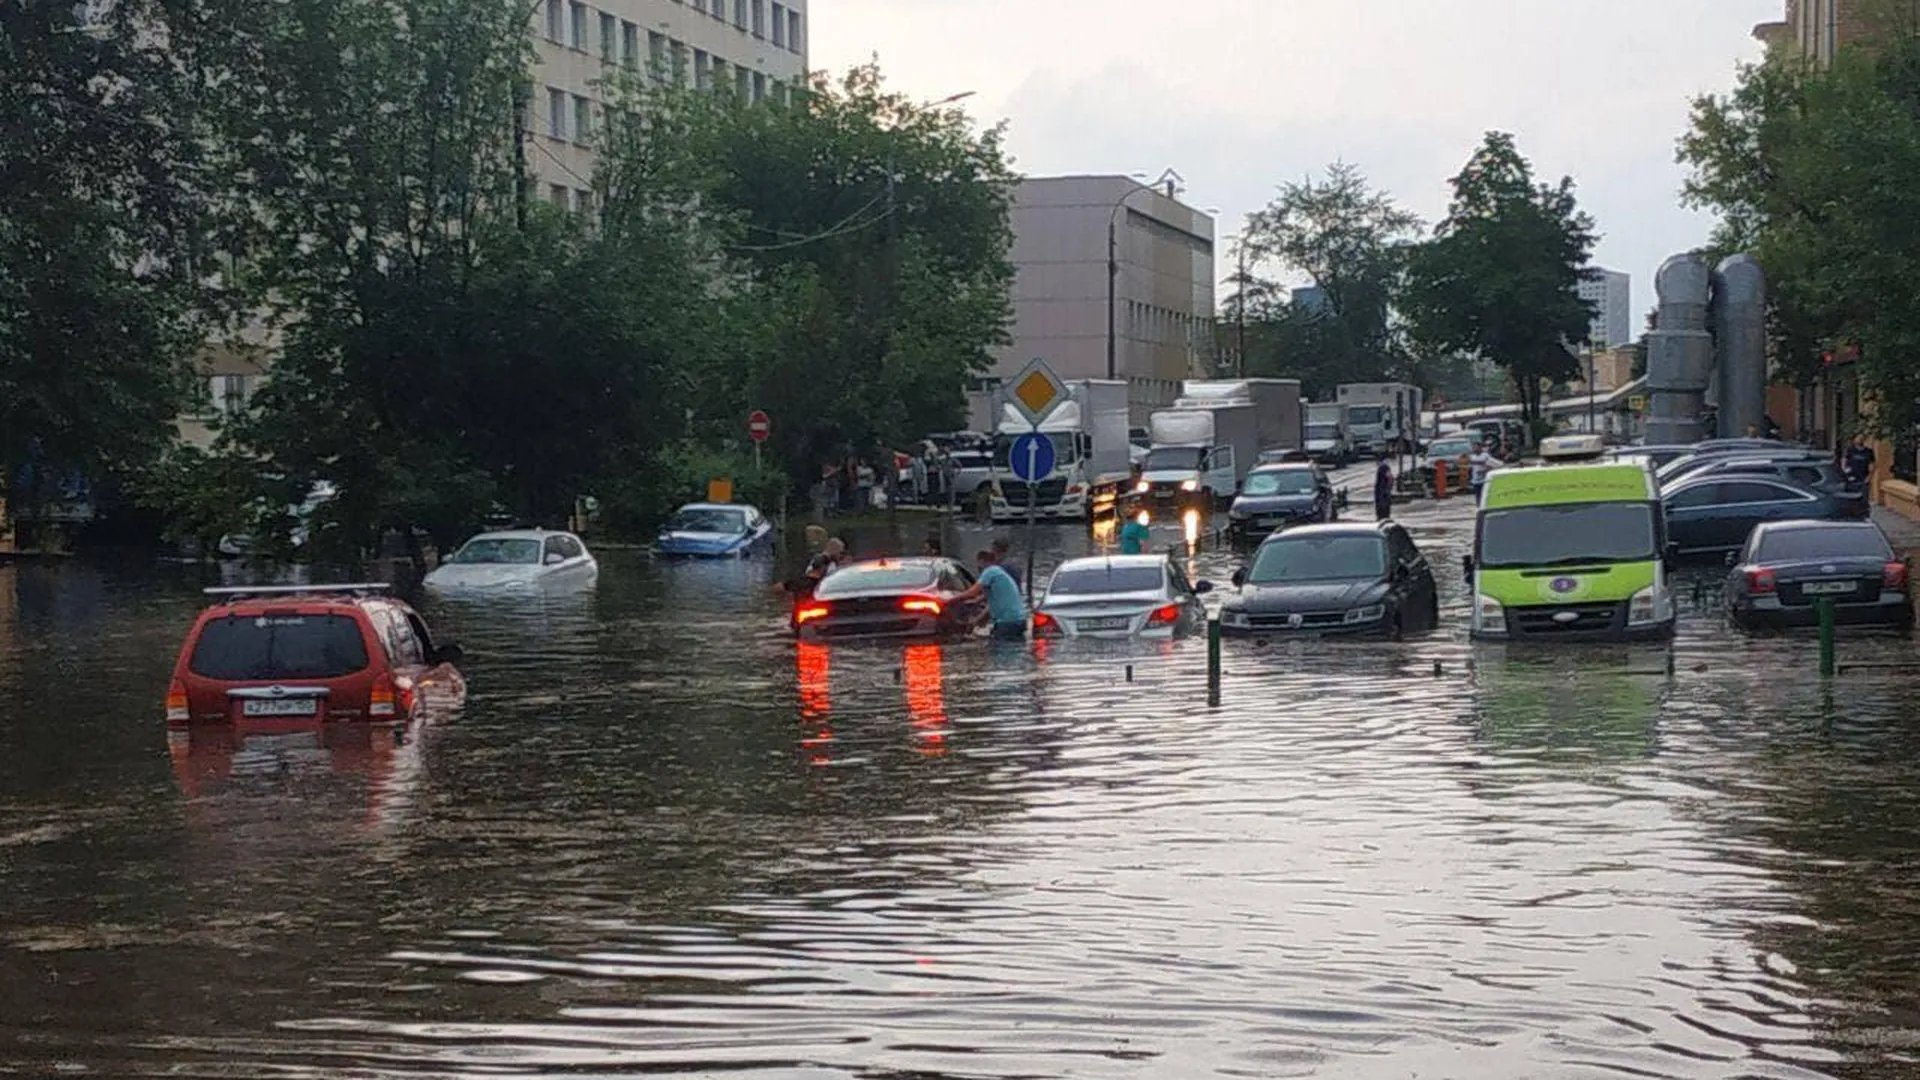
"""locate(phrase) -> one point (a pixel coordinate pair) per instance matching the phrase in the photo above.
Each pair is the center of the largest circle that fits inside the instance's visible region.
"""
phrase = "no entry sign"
(759, 426)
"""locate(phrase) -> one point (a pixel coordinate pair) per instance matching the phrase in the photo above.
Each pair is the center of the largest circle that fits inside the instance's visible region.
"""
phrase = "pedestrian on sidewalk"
(1383, 491)
(1857, 463)
(1478, 466)
(1005, 609)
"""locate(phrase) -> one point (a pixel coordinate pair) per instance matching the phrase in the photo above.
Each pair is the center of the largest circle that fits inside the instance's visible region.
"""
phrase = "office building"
(1815, 30)
(757, 49)
(1611, 294)
(1163, 284)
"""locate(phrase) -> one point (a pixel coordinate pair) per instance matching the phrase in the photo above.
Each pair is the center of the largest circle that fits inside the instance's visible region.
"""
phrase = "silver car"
(1121, 596)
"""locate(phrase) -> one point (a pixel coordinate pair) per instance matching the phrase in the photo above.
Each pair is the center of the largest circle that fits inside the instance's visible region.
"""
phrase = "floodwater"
(661, 840)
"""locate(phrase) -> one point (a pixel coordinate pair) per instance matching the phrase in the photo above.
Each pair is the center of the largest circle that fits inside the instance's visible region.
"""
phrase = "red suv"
(310, 652)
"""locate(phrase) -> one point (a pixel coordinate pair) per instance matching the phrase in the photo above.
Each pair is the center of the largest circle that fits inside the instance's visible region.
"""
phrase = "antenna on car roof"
(234, 593)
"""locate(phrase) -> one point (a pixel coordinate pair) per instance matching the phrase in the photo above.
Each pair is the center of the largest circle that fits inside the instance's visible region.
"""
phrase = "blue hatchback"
(715, 531)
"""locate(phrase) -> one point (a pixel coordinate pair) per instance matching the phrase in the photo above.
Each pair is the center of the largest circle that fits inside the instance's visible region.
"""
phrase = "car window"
(555, 546)
(420, 632)
(879, 576)
(402, 647)
(1178, 575)
(1696, 496)
(950, 580)
(1805, 474)
(497, 550)
(1748, 491)
(279, 646)
(570, 547)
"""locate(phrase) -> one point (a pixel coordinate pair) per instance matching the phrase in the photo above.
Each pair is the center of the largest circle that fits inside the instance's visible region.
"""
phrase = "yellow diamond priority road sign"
(1036, 391)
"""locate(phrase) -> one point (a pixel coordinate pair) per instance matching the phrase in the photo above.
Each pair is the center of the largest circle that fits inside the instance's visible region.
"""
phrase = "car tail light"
(177, 703)
(381, 699)
(1760, 581)
(806, 613)
(1164, 615)
(921, 604)
(1044, 623)
(1894, 575)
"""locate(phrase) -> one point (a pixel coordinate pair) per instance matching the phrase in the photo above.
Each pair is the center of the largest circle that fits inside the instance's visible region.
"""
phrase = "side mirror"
(1239, 578)
(1466, 568)
(1202, 587)
(449, 653)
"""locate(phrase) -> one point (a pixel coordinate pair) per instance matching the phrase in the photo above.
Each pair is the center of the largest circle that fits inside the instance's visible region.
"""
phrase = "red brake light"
(1894, 575)
(381, 699)
(177, 703)
(922, 604)
(1760, 581)
(1164, 615)
(809, 612)
(1044, 623)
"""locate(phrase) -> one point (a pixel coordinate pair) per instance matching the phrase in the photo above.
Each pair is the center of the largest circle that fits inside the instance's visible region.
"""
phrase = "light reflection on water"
(662, 838)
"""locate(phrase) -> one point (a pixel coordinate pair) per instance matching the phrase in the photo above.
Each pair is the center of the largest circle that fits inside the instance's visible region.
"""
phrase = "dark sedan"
(1681, 467)
(1788, 566)
(1276, 496)
(1345, 578)
(1817, 472)
(890, 598)
(1711, 514)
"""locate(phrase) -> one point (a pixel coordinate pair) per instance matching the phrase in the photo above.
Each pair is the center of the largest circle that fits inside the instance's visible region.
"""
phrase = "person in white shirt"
(1478, 466)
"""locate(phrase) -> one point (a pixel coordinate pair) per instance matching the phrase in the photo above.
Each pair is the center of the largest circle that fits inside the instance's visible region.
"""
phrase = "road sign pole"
(1033, 499)
(756, 457)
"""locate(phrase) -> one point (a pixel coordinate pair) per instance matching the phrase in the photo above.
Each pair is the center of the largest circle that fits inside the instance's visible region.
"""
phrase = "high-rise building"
(1161, 310)
(1611, 294)
(756, 49)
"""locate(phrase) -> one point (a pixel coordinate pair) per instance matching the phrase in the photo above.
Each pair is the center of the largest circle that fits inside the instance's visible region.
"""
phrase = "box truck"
(1091, 463)
(1382, 418)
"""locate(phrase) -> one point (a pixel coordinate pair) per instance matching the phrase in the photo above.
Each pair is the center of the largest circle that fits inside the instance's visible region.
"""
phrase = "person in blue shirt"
(1134, 535)
(1005, 608)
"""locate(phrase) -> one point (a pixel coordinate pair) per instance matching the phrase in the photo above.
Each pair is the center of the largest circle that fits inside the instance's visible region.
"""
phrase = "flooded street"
(663, 840)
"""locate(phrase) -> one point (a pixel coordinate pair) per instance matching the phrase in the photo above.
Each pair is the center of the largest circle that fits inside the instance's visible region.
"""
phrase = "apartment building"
(755, 48)
(1611, 294)
(1162, 310)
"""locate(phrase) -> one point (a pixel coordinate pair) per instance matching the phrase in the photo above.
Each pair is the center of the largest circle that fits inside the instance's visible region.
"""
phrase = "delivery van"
(1570, 553)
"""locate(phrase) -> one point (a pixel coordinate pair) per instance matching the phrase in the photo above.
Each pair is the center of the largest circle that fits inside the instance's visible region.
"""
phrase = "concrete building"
(1163, 285)
(755, 48)
(1611, 294)
(1611, 368)
(1815, 30)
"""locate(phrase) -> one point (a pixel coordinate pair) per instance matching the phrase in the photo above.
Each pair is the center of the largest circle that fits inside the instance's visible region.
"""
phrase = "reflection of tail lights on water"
(270, 757)
(813, 666)
(926, 699)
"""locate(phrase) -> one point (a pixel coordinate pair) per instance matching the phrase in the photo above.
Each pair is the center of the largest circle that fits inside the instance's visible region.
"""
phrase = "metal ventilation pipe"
(1679, 351)
(1740, 344)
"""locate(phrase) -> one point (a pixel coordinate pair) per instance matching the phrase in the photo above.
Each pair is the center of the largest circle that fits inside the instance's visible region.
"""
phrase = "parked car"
(715, 531)
(1658, 456)
(1817, 472)
(1120, 596)
(1457, 451)
(1345, 578)
(307, 653)
(971, 467)
(1711, 514)
(1276, 496)
(515, 559)
(1787, 566)
(1681, 468)
(890, 598)
(299, 519)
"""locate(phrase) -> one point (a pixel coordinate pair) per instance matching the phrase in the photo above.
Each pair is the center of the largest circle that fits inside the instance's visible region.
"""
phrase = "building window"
(702, 70)
(559, 195)
(607, 38)
(759, 18)
(230, 394)
(779, 24)
(556, 113)
(577, 25)
(718, 79)
(742, 82)
(777, 90)
(720, 10)
(793, 31)
(759, 87)
(629, 44)
(582, 200)
(679, 63)
(556, 16)
(740, 13)
(657, 54)
(582, 119)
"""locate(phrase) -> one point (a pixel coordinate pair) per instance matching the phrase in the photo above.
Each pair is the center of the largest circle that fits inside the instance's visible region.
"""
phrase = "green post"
(1213, 662)
(1825, 606)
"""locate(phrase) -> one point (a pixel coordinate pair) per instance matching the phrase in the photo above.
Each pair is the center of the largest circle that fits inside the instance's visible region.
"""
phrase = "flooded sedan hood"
(1307, 596)
(680, 541)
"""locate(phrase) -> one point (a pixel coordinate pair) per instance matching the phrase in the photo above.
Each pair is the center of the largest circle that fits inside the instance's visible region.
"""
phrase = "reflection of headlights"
(1370, 613)
(1489, 616)
(1236, 619)
(1649, 605)
(1142, 486)
(1189, 485)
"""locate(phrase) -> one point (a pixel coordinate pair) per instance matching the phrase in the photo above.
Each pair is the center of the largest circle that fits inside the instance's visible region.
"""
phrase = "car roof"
(516, 534)
(714, 506)
(928, 561)
(1331, 528)
(1695, 479)
(1818, 526)
(1086, 561)
(1282, 466)
(308, 599)
(1559, 485)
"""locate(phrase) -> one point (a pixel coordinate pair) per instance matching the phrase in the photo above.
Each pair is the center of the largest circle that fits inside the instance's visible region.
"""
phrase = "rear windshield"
(240, 648)
(875, 576)
(1789, 545)
(1094, 580)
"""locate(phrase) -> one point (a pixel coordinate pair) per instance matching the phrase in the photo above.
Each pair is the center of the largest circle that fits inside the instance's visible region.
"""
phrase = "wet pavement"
(662, 840)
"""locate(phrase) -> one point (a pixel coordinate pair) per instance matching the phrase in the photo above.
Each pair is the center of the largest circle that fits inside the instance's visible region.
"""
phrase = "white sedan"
(1120, 596)
(515, 558)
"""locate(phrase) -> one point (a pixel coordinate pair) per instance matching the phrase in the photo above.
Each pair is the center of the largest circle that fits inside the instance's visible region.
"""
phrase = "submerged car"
(1347, 578)
(1120, 596)
(310, 653)
(1276, 496)
(1788, 566)
(515, 558)
(890, 598)
(1715, 513)
(715, 531)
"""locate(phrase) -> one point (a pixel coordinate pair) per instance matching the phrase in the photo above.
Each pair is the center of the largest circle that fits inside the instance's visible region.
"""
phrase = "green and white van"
(1570, 553)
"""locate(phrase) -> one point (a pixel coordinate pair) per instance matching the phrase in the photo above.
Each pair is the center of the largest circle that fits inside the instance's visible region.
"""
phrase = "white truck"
(1275, 404)
(1198, 456)
(1091, 459)
(1328, 440)
(1382, 418)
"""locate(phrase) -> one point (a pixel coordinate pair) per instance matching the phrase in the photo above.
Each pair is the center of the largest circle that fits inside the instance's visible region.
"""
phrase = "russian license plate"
(1827, 588)
(1118, 622)
(279, 706)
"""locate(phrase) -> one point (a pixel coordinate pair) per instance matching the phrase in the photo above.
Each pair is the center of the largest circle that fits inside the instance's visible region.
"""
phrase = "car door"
(1691, 524)
(1422, 591)
(1753, 500)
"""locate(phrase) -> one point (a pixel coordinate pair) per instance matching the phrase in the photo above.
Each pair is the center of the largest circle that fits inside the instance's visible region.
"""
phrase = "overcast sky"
(1240, 95)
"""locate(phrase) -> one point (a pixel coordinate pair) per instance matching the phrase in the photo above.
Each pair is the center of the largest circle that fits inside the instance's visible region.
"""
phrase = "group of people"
(997, 582)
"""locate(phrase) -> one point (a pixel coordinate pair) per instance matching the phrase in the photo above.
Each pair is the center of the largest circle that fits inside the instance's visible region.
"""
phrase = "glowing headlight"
(1370, 613)
(1142, 486)
(1189, 485)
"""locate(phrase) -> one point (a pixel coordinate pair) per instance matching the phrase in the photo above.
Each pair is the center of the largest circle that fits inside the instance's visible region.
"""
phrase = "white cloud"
(1240, 95)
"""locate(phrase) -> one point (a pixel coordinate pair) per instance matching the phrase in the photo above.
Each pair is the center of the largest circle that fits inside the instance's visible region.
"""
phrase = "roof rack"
(235, 593)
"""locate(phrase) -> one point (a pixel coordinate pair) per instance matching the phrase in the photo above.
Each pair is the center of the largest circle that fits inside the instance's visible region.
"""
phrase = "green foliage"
(1499, 278)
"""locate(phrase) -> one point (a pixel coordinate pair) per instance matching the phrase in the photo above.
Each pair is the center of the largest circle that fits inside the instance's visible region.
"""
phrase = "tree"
(1499, 278)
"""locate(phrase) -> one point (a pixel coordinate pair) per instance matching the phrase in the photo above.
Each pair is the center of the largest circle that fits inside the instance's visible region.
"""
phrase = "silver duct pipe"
(1680, 352)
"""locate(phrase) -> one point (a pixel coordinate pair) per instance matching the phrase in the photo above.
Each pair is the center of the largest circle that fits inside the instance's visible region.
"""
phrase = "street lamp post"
(1113, 264)
(1591, 430)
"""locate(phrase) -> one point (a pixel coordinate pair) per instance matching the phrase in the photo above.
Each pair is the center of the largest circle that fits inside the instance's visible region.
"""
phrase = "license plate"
(1120, 622)
(279, 706)
(1827, 588)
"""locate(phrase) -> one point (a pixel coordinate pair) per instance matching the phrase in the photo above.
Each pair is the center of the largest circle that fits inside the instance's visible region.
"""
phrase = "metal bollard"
(1439, 479)
(1129, 672)
(1824, 606)
(1213, 662)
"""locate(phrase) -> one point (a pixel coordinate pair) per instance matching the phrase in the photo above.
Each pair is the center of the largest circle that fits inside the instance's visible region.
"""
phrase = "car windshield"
(1567, 535)
(1280, 482)
(1180, 458)
(1793, 545)
(496, 550)
(1318, 558)
(242, 648)
(1450, 448)
(878, 577)
(1322, 431)
(1364, 414)
(708, 520)
(1106, 578)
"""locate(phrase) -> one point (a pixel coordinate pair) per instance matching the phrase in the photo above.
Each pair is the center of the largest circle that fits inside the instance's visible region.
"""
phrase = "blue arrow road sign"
(1031, 457)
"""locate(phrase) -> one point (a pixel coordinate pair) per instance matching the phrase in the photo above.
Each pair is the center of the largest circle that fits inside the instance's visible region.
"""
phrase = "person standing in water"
(1005, 608)
(1383, 491)
(1134, 535)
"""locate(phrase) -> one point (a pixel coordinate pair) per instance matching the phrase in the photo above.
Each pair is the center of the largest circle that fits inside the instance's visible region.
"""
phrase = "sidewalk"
(1903, 531)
